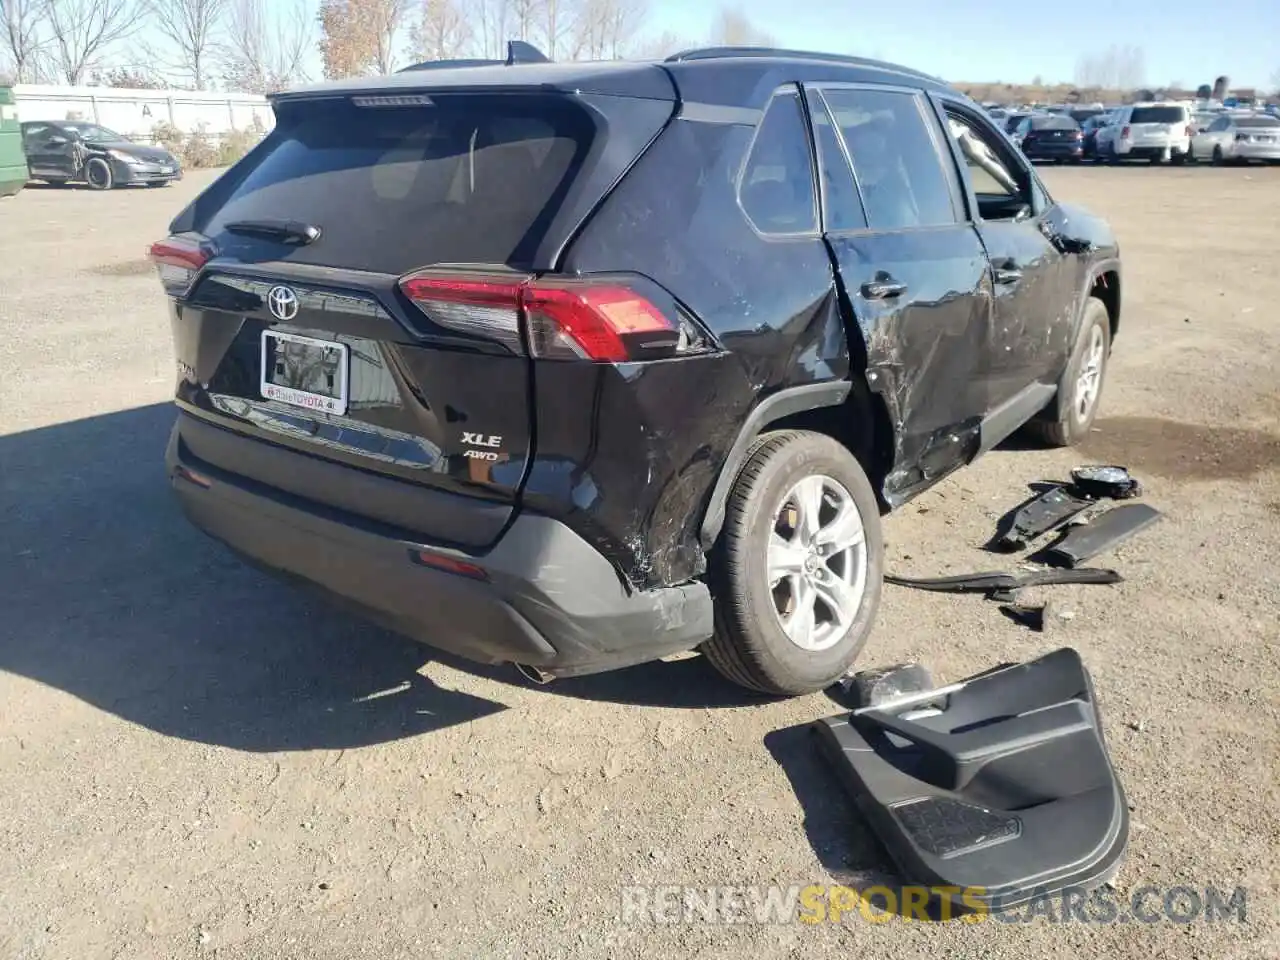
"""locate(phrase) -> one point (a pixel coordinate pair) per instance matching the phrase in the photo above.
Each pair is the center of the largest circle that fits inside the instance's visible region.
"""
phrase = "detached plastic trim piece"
(995, 582)
(1102, 534)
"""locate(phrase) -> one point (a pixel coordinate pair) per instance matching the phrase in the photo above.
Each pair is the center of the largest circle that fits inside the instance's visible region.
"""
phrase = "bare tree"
(359, 35)
(83, 30)
(191, 29)
(489, 19)
(733, 28)
(1116, 68)
(606, 29)
(264, 55)
(660, 47)
(21, 41)
(440, 31)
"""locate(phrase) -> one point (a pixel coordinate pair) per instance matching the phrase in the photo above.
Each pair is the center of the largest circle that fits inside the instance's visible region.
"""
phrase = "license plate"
(305, 372)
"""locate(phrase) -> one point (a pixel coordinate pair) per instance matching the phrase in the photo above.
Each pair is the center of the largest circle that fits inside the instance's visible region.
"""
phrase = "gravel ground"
(198, 762)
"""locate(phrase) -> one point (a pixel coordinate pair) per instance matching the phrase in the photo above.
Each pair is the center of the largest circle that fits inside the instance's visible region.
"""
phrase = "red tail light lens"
(1077, 135)
(604, 320)
(178, 259)
(1124, 133)
(1191, 131)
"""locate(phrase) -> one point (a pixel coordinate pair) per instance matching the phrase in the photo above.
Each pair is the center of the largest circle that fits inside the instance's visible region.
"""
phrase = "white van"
(1148, 131)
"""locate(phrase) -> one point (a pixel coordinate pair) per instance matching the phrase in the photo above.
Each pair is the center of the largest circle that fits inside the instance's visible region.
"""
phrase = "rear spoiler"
(517, 52)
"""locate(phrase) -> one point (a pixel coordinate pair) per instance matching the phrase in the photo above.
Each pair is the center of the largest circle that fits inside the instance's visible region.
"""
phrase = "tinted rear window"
(469, 179)
(1158, 115)
(1053, 123)
(1257, 122)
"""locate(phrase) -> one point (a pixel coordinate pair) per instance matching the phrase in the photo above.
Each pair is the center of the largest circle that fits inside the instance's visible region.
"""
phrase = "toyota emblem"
(282, 302)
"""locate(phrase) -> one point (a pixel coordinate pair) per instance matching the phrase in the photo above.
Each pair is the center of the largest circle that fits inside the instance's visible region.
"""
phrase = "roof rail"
(518, 51)
(718, 53)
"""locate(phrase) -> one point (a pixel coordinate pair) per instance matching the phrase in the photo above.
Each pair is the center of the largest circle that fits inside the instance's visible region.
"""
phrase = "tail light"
(1190, 131)
(1241, 137)
(600, 319)
(178, 259)
(1124, 132)
(1077, 135)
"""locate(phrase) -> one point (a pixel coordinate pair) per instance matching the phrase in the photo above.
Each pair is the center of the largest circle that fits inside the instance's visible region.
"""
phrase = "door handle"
(885, 289)
(1007, 275)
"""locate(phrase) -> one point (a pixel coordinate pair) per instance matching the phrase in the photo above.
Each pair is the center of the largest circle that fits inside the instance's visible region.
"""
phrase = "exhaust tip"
(534, 675)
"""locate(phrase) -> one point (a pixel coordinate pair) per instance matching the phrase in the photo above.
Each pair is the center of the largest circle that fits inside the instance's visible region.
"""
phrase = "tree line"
(260, 46)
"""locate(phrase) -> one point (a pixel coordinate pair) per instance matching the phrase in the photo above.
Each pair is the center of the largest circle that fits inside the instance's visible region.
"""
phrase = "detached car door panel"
(916, 277)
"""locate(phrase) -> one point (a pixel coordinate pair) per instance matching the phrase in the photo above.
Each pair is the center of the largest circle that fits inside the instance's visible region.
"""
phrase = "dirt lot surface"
(196, 761)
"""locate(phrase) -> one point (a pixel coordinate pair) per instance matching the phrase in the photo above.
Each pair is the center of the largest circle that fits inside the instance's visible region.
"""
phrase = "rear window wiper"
(290, 231)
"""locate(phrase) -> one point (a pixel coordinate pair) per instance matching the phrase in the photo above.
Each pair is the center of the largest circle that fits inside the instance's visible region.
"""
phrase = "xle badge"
(481, 440)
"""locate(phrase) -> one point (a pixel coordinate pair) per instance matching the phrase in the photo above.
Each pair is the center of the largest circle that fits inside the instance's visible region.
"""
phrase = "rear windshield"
(1080, 116)
(1158, 115)
(1053, 123)
(1257, 122)
(466, 179)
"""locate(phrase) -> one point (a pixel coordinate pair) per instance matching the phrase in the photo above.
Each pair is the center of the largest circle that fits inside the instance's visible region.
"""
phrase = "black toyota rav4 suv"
(581, 365)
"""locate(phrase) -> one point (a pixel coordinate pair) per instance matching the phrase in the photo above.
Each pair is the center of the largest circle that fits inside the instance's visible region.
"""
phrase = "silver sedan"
(1240, 138)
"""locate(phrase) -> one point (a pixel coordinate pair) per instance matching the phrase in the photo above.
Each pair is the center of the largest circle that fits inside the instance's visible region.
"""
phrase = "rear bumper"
(1153, 151)
(1256, 151)
(1071, 151)
(550, 599)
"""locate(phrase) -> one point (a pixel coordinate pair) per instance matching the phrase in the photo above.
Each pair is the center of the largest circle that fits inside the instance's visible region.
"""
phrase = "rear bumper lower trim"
(552, 601)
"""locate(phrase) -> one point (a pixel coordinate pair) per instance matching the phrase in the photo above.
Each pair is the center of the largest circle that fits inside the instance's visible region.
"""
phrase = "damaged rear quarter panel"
(628, 454)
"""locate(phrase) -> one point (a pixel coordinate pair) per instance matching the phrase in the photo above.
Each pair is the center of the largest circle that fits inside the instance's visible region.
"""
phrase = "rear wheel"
(1217, 156)
(1071, 415)
(97, 172)
(797, 579)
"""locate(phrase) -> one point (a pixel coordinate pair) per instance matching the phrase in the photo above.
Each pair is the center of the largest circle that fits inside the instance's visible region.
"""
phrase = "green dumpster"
(13, 162)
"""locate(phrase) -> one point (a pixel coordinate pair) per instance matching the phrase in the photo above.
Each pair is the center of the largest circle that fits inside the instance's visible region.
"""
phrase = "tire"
(1067, 420)
(1217, 156)
(751, 647)
(97, 173)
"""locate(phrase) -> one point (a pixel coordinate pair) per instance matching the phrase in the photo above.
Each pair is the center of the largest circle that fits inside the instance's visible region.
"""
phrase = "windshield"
(92, 133)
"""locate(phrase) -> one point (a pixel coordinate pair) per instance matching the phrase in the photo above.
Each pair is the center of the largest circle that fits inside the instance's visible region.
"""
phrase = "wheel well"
(861, 424)
(1106, 287)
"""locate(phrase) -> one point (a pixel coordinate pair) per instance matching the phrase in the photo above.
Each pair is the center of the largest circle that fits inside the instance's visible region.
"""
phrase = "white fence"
(135, 113)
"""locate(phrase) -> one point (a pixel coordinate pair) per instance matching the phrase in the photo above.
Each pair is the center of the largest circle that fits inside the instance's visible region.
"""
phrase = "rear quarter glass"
(468, 179)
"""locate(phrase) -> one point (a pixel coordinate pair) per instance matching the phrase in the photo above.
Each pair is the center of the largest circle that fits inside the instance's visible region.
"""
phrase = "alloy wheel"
(817, 563)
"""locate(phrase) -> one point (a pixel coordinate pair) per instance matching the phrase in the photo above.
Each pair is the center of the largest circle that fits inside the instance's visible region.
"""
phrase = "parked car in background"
(59, 152)
(1235, 138)
(1052, 136)
(1081, 114)
(1012, 121)
(1089, 134)
(519, 366)
(1147, 131)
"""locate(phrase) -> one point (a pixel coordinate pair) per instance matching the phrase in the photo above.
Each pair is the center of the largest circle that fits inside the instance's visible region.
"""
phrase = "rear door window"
(466, 179)
(777, 190)
(896, 159)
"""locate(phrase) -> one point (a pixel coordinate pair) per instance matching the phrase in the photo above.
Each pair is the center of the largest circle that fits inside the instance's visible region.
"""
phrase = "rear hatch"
(293, 318)
(1053, 134)
(1157, 126)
